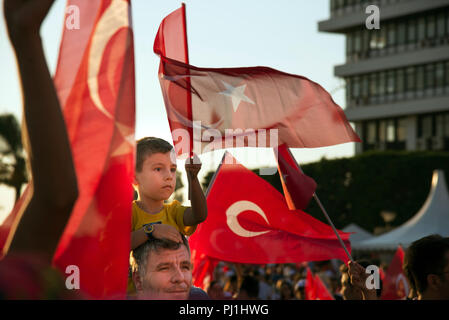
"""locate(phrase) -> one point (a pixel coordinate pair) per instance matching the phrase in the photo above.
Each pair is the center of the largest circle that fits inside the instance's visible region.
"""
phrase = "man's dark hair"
(140, 254)
(251, 286)
(148, 146)
(425, 256)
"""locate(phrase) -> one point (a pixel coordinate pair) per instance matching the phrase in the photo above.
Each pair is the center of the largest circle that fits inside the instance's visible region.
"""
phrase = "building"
(397, 77)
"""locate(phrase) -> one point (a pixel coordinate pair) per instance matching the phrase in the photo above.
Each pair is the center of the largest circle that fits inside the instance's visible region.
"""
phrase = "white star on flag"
(126, 146)
(236, 93)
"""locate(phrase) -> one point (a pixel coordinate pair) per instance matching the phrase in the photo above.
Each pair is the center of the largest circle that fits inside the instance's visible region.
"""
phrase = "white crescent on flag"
(238, 207)
(113, 19)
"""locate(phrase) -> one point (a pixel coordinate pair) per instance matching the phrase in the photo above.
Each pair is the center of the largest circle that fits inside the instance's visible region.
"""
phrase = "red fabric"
(298, 188)
(395, 285)
(203, 269)
(171, 42)
(315, 288)
(100, 117)
(237, 231)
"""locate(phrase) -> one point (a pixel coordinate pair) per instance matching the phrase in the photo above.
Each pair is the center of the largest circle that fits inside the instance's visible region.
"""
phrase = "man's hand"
(165, 231)
(193, 166)
(24, 17)
(358, 277)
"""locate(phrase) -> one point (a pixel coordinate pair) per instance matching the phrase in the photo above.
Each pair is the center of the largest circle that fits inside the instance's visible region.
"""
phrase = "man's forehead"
(162, 256)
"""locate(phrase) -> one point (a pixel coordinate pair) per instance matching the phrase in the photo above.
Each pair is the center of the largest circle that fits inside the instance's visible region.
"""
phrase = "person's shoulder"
(198, 294)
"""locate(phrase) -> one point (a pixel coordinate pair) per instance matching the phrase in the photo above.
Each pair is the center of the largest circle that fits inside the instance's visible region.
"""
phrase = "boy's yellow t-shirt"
(172, 214)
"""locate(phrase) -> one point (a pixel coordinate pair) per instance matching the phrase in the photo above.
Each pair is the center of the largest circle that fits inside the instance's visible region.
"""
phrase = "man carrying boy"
(155, 179)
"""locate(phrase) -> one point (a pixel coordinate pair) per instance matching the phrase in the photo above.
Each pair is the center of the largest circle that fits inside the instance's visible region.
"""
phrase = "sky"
(281, 34)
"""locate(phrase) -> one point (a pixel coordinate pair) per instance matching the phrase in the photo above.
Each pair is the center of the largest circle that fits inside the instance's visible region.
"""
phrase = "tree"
(13, 171)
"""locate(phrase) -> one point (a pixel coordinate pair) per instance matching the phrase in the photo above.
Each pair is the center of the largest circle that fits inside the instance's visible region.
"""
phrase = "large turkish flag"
(249, 222)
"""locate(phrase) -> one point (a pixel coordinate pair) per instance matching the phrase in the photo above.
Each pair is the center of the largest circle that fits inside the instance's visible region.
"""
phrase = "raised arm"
(53, 174)
(198, 212)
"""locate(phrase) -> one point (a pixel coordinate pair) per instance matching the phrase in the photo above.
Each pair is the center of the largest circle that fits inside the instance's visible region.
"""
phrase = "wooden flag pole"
(315, 196)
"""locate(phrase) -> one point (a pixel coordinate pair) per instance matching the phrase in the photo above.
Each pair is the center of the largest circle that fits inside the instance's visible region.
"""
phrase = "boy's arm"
(160, 231)
(53, 174)
(198, 212)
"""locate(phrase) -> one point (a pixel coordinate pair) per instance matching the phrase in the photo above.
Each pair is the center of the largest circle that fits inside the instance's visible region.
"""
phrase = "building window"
(391, 136)
(391, 82)
(446, 125)
(439, 125)
(391, 34)
(348, 89)
(419, 77)
(382, 76)
(374, 34)
(421, 28)
(411, 79)
(440, 25)
(430, 76)
(446, 70)
(365, 86)
(400, 81)
(439, 74)
(427, 126)
(357, 42)
(356, 87)
(382, 39)
(411, 30)
(431, 23)
(349, 47)
(382, 130)
(401, 33)
(373, 84)
(402, 129)
(371, 132)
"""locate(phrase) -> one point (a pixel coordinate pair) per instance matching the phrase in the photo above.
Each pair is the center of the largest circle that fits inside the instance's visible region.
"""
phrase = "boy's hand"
(193, 166)
(165, 231)
(357, 274)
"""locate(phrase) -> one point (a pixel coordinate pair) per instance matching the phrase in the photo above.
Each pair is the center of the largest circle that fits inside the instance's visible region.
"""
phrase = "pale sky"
(281, 34)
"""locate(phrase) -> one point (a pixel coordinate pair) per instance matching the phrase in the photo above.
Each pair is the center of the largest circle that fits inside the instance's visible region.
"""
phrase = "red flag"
(95, 83)
(395, 285)
(298, 188)
(203, 269)
(315, 289)
(249, 222)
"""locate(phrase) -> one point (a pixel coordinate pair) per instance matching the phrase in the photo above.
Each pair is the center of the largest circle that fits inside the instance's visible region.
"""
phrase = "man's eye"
(173, 170)
(157, 169)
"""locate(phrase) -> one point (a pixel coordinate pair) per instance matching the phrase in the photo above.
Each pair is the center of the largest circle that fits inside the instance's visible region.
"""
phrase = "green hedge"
(357, 189)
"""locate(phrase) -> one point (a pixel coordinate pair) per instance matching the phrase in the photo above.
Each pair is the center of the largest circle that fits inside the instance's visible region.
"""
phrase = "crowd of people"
(161, 265)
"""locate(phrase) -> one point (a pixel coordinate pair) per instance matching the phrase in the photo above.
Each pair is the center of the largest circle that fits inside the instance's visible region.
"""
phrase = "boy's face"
(157, 179)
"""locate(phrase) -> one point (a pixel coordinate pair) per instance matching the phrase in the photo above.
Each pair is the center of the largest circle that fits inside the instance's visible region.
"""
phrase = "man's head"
(155, 168)
(426, 266)
(162, 270)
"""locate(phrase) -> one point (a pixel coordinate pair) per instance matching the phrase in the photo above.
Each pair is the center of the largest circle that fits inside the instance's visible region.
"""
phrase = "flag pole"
(189, 95)
(315, 196)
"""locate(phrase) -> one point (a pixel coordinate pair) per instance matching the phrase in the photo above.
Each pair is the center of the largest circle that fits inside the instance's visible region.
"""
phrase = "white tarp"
(432, 218)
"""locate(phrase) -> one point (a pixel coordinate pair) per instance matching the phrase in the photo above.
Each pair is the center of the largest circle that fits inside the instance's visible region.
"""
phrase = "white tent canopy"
(359, 234)
(432, 218)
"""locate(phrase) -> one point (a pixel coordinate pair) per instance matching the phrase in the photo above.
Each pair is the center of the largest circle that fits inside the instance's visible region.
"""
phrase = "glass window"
(439, 125)
(439, 74)
(374, 34)
(391, 34)
(430, 76)
(356, 87)
(382, 81)
(446, 125)
(411, 79)
(440, 25)
(427, 126)
(390, 131)
(421, 28)
(371, 132)
(401, 33)
(365, 85)
(365, 40)
(446, 71)
(348, 89)
(391, 81)
(402, 129)
(400, 81)
(349, 44)
(382, 129)
(431, 24)
(411, 30)
(419, 77)
(447, 23)
(382, 39)
(357, 41)
(373, 84)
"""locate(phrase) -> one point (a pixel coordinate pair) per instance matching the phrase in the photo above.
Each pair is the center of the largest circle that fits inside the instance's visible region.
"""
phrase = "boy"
(155, 180)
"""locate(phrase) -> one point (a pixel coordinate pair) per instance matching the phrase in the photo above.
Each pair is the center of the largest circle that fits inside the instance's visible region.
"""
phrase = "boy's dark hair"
(425, 256)
(148, 146)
